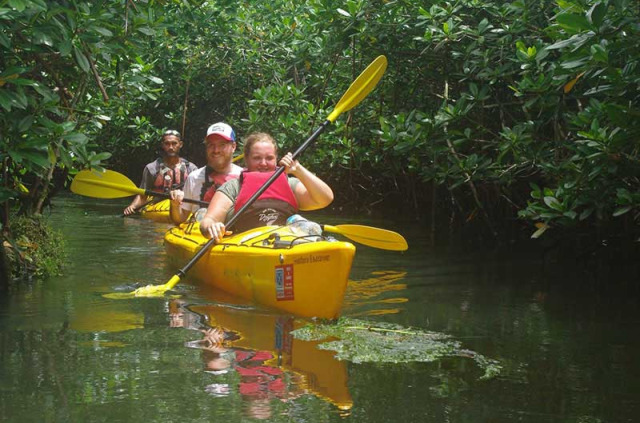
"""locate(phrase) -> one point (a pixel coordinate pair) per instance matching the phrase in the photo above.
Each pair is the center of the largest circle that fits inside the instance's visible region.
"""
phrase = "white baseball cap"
(222, 129)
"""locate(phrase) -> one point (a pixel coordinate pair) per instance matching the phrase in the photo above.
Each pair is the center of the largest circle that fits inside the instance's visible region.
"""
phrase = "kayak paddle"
(357, 91)
(370, 236)
(110, 184)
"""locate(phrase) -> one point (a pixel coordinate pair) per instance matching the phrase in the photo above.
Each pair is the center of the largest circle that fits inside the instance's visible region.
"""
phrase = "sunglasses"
(171, 132)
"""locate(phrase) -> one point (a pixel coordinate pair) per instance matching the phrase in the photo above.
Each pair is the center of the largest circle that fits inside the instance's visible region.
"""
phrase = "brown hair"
(256, 137)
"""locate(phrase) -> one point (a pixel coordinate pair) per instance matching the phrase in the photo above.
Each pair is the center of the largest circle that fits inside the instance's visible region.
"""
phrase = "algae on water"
(360, 341)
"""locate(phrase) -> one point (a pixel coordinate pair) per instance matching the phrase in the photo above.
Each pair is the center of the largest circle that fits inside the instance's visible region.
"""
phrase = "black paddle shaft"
(165, 195)
(253, 198)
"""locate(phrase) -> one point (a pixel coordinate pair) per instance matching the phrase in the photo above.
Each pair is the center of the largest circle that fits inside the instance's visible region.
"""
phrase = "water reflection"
(253, 354)
(565, 335)
(370, 296)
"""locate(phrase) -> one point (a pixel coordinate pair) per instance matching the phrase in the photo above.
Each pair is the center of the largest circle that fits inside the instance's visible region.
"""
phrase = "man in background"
(166, 172)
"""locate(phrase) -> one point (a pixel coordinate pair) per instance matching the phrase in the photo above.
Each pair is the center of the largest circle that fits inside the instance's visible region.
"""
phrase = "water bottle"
(303, 227)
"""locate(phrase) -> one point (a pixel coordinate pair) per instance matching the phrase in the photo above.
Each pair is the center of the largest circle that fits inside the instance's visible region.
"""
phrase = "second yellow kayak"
(158, 212)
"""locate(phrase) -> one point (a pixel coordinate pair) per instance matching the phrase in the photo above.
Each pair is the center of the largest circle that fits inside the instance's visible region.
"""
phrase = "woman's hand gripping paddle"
(358, 90)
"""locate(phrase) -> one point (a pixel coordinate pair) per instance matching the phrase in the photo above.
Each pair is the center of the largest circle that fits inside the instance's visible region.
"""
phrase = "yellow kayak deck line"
(270, 266)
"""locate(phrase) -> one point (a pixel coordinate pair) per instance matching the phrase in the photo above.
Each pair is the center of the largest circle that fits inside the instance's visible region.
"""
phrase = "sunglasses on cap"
(171, 132)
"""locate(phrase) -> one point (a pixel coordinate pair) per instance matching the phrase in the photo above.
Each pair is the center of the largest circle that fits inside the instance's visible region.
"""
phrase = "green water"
(565, 335)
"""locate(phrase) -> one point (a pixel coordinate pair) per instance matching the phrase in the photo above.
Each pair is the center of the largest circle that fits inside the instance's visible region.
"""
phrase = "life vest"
(168, 178)
(213, 181)
(273, 207)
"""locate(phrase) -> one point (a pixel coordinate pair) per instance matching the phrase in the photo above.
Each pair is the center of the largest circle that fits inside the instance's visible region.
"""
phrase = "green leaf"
(542, 229)
(12, 71)
(599, 53)
(553, 203)
(34, 156)
(575, 63)
(76, 138)
(25, 124)
(147, 31)
(573, 22)
(103, 31)
(20, 98)
(596, 14)
(5, 41)
(19, 5)
(574, 42)
(600, 89)
(100, 157)
(5, 100)
(622, 210)
(64, 48)
(24, 81)
(81, 59)
(42, 38)
(586, 213)
(343, 12)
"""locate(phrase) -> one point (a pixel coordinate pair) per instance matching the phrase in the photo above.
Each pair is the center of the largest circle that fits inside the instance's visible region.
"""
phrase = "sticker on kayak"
(284, 282)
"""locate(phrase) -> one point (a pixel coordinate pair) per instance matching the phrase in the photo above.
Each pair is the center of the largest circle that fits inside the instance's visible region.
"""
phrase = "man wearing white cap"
(201, 184)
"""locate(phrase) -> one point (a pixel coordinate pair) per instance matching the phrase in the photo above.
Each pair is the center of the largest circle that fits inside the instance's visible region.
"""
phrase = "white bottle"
(302, 227)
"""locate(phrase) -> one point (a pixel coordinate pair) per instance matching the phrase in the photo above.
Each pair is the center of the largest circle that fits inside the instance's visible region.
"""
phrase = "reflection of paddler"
(320, 372)
(258, 380)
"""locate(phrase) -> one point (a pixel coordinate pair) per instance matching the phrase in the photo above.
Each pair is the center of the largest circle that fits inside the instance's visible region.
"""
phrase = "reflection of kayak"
(157, 211)
(98, 319)
(321, 373)
(270, 266)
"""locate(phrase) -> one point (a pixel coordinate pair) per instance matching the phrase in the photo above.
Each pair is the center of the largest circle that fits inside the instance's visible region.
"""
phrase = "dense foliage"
(488, 111)
(36, 250)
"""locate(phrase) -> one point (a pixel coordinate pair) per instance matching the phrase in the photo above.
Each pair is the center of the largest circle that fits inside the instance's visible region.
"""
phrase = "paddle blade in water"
(119, 295)
(129, 295)
(146, 291)
(107, 184)
(151, 291)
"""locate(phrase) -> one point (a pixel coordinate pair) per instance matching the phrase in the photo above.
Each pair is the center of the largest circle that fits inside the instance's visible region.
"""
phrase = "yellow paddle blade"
(129, 295)
(119, 295)
(107, 184)
(373, 237)
(145, 291)
(362, 86)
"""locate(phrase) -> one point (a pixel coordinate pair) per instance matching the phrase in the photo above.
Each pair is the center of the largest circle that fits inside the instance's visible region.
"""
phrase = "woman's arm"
(212, 224)
(312, 193)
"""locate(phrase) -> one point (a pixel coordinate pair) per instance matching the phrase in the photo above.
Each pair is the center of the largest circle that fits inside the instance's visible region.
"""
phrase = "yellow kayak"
(158, 212)
(270, 266)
